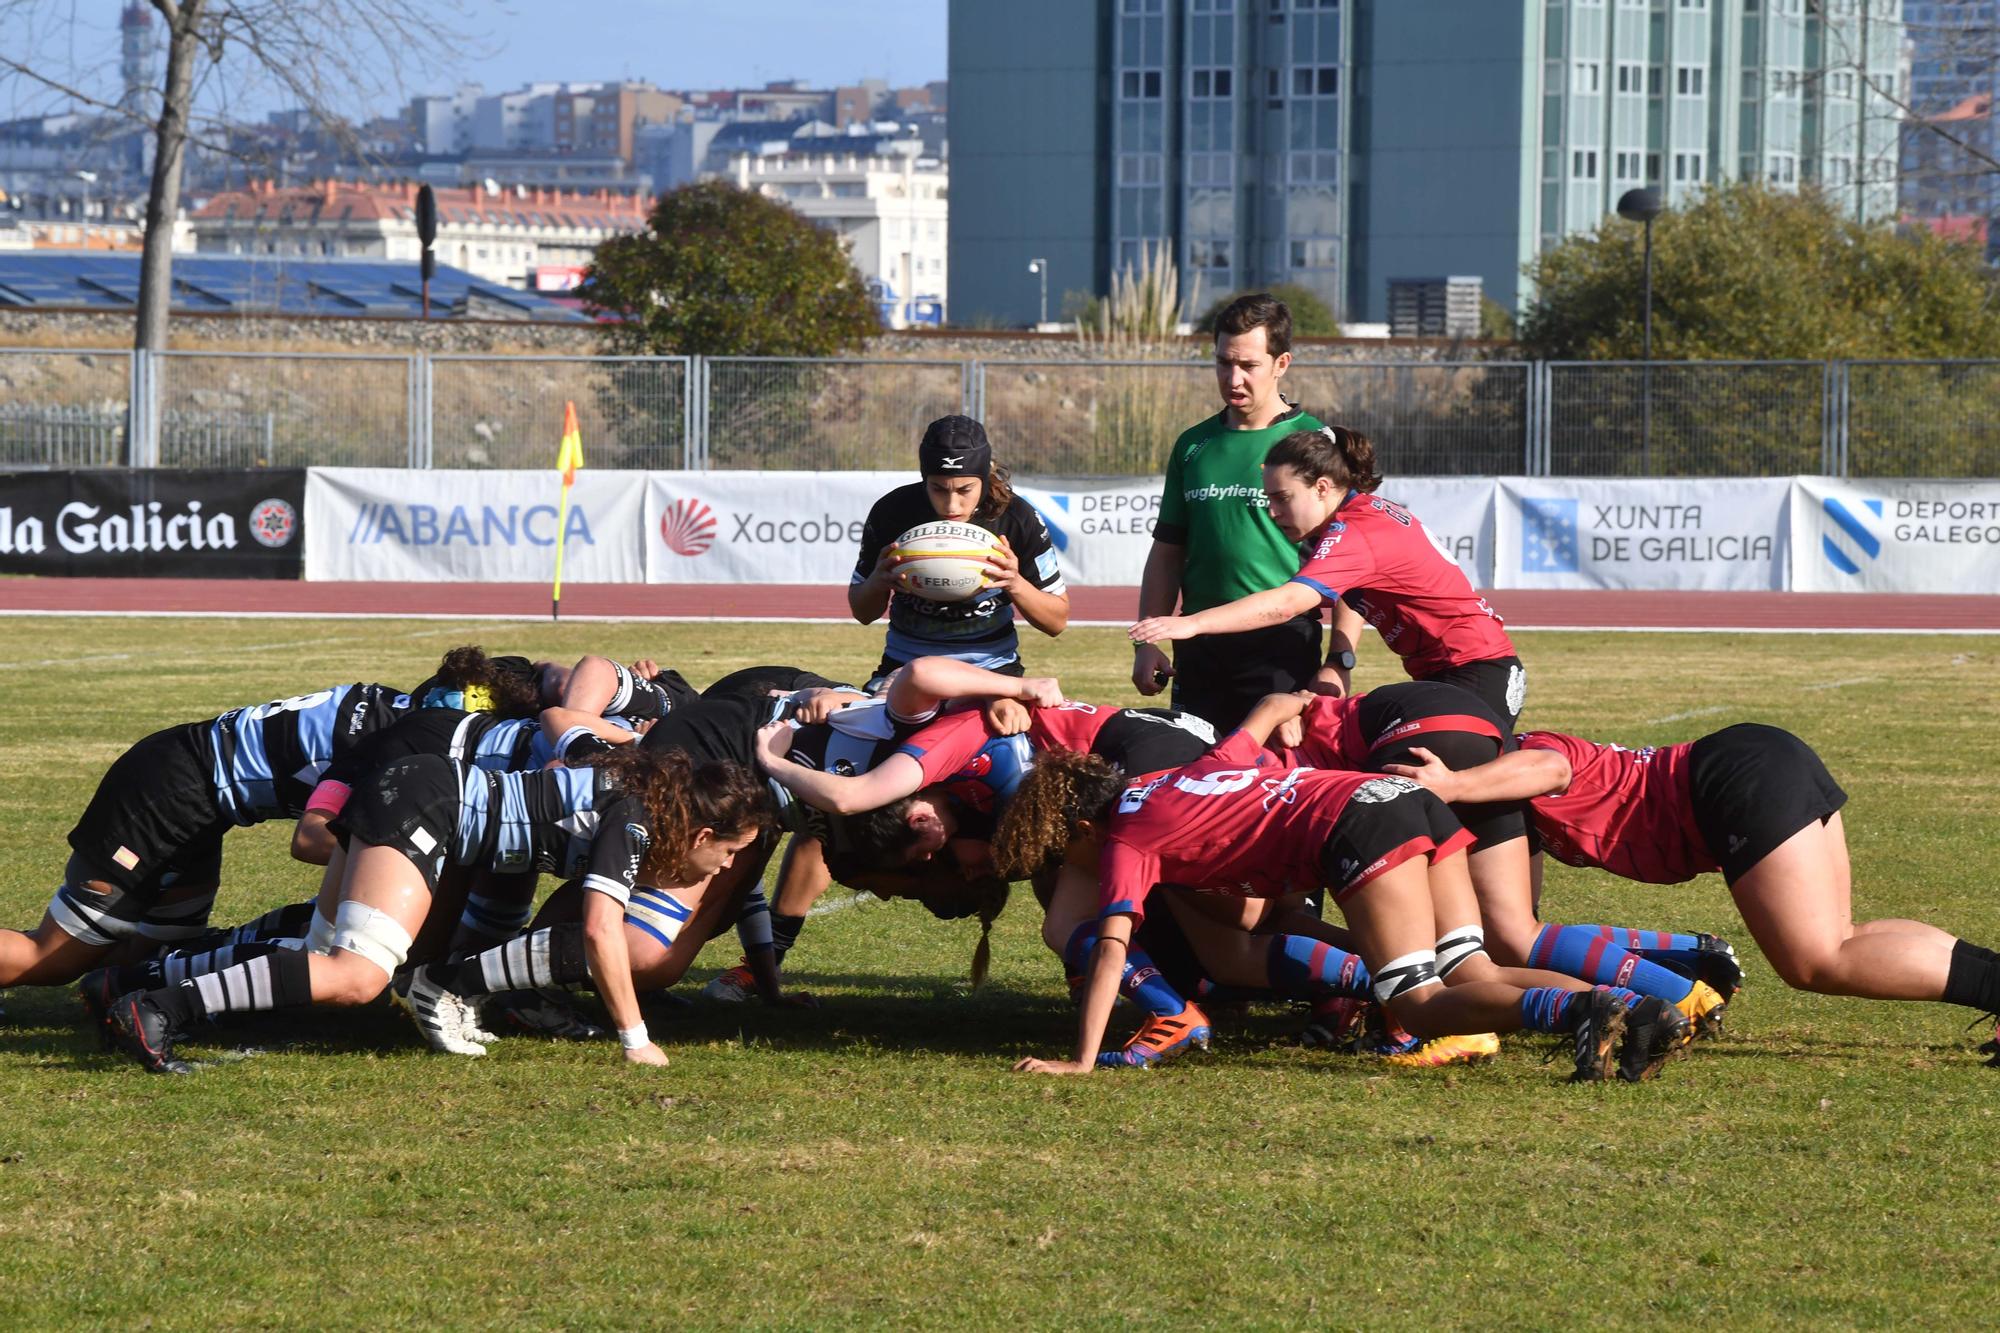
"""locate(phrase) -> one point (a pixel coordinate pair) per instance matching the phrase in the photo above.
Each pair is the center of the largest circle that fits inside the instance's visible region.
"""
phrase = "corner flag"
(568, 459)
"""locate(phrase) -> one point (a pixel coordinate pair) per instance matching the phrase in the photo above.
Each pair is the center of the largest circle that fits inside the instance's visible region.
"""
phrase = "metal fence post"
(687, 408)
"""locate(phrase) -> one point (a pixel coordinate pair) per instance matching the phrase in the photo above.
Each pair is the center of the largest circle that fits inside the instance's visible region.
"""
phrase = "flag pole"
(568, 459)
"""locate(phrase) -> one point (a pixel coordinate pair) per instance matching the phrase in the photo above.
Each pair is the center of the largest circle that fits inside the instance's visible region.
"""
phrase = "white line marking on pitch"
(65, 661)
(1692, 712)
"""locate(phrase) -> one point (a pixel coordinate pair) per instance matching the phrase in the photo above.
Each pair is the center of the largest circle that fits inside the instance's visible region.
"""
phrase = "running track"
(1825, 612)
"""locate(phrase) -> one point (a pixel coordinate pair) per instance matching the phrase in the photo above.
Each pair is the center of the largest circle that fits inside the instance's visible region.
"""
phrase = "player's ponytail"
(996, 497)
(1063, 788)
(1345, 457)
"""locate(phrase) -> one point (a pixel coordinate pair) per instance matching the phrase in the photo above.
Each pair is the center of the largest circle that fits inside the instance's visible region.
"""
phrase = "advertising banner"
(1457, 512)
(758, 527)
(398, 525)
(154, 522)
(1895, 536)
(1659, 533)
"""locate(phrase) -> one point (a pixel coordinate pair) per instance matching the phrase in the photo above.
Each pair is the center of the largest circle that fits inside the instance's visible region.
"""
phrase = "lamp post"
(1643, 206)
(1040, 267)
(89, 178)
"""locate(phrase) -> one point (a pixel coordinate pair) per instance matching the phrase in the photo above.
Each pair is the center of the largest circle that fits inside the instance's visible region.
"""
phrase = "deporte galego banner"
(1895, 536)
(153, 522)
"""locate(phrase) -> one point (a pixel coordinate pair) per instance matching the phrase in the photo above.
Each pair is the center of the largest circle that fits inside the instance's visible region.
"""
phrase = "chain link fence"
(1687, 419)
(68, 408)
(507, 411)
(61, 409)
(252, 409)
(761, 413)
(1921, 419)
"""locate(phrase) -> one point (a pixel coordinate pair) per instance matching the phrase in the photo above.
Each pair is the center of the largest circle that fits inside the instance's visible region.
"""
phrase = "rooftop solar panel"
(258, 284)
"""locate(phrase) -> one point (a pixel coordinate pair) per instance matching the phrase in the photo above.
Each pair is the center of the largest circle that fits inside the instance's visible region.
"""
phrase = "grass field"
(874, 1163)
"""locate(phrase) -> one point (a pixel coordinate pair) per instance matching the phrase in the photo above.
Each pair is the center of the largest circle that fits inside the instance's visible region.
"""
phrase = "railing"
(62, 408)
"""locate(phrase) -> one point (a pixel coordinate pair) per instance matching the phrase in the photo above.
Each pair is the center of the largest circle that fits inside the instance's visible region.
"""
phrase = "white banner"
(759, 527)
(1458, 514)
(1102, 527)
(402, 525)
(1895, 536)
(1654, 533)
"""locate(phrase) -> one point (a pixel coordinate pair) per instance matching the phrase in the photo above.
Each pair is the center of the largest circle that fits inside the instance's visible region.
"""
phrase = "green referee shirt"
(1214, 508)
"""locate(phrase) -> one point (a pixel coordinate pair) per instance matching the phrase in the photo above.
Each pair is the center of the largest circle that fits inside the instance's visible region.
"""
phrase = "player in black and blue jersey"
(146, 855)
(415, 817)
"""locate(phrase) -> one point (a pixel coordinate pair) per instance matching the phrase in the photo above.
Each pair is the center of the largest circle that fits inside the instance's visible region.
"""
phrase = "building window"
(1583, 164)
(1688, 81)
(1653, 167)
(1586, 76)
(1687, 167)
(1631, 77)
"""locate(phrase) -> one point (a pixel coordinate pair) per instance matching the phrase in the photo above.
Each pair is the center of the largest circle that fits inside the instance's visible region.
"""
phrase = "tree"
(317, 56)
(1311, 316)
(723, 272)
(1751, 273)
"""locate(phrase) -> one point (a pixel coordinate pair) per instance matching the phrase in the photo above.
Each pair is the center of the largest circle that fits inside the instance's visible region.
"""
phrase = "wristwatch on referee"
(1344, 659)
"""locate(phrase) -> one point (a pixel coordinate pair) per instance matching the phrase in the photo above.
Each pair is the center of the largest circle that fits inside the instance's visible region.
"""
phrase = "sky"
(671, 43)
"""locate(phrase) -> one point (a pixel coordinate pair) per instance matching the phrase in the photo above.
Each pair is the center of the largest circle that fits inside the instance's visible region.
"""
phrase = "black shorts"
(1152, 740)
(1161, 936)
(1386, 822)
(723, 722)
(410, 804)
(1501, 684)
(1222, 676)
(888, 666)
(1457, 727)
(1753, 787)
(154, 813)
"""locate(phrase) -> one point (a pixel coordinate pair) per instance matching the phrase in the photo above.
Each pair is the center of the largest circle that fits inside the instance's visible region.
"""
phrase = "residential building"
(1950, 141)
(498, 236)
(888, 205)
(1340, 145)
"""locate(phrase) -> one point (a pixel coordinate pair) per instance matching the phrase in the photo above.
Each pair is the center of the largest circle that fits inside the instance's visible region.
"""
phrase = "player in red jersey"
(1755, 803)
(1372, 561)
(1239, 822)
(1389, 726)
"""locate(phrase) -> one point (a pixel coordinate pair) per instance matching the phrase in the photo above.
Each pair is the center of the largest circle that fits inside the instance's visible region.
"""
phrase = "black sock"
(784, 933)
(551, 956)
(1974, 979)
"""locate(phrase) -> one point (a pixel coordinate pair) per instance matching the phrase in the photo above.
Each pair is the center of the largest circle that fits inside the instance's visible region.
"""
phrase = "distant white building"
(503, 236)
(888, 207)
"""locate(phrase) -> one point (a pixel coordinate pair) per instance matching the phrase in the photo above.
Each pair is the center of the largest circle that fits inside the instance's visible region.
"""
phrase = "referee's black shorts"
(1222, 676)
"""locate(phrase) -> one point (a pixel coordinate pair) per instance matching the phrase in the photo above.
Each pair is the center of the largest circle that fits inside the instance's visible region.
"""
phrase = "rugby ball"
(945, 560)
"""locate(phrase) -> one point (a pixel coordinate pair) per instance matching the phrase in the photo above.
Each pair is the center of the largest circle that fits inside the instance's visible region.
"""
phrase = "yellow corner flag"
(568, 459)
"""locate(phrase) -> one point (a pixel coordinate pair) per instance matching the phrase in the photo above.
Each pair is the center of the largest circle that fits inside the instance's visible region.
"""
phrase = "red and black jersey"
(1626, 811)
(1351, 731)
(1374, 555)
(1238, 821)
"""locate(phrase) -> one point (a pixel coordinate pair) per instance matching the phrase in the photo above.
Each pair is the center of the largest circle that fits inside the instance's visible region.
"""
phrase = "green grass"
(875, 1163)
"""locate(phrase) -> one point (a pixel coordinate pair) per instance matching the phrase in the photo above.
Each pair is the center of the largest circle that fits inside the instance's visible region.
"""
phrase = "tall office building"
(1954, 75)
(1343, 145)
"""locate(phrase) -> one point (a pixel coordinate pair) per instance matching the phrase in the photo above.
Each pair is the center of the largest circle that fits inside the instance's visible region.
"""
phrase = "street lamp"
(1643, 206)
(89, 178)
(1041, 267)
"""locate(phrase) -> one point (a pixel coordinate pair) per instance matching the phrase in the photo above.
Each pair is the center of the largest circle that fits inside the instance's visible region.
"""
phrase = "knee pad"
(371, 934)
(319, 935)
(1457, 946)
(1400, 976)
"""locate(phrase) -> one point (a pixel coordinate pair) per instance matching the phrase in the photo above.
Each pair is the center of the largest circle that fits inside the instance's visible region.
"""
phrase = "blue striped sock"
(1142, 983)
(1546, 1008)
(1589, 953)
(1303, 968)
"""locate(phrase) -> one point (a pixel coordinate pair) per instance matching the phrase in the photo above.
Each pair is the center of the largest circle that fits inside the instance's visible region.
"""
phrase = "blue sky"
(673, 43)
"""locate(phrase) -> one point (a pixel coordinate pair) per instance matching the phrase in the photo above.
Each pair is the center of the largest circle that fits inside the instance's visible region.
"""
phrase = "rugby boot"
(97, 990)
(735, 986)
(550, 1014)
(1159, 1039)
(1334, 1022)
(1716, 965)
(1654, 1032)
(1703, 1009)
(439, 1014)
(1463, 1049)
(1379, 1036)
(1597, 1021)
(139, 1029)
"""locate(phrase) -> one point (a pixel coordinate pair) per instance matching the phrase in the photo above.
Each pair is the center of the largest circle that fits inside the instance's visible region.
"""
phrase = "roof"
(264, 285)
(1976, 107)
(601, 210)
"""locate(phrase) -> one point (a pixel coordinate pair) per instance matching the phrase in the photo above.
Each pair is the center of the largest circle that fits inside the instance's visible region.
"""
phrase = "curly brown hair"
(682, 797)
(1062, 788)
(515, 693)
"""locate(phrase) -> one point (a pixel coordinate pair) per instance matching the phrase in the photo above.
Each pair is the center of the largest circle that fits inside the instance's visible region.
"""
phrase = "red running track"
(624, 601)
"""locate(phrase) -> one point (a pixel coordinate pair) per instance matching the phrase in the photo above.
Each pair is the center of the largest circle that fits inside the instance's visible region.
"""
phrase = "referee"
(1214, 542)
